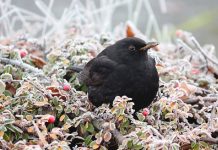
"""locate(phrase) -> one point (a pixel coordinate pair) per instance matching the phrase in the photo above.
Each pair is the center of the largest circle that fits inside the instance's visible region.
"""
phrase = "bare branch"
(209, 140)
(202, 51)
(21, 65)
(197, 99)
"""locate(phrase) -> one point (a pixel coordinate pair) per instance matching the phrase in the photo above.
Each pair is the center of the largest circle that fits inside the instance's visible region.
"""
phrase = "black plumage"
(123, 68)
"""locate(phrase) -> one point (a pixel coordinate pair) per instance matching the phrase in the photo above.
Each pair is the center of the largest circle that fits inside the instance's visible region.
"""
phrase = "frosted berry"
(23, 53)
(51, 119)
(179, 33)
(145, 112)
(195, 71)
(66, 87)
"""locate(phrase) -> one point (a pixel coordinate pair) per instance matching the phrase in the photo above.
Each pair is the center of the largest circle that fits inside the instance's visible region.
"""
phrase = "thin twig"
(209, 140)
(21, 65)
(202, 51)
(197, 99)
(41, 137)
(41, 89)
(213, 114)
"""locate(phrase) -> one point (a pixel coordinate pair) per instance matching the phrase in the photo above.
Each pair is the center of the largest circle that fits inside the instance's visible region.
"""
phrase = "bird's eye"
(132, 48)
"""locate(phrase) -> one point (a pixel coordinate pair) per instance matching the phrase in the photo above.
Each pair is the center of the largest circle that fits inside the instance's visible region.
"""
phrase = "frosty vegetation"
(184, 115)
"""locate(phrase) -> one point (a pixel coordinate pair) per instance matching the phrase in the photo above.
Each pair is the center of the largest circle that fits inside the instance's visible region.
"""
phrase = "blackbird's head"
(134, 47)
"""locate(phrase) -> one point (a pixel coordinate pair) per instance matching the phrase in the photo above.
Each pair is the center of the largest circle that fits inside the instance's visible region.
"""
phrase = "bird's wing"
(96, 71)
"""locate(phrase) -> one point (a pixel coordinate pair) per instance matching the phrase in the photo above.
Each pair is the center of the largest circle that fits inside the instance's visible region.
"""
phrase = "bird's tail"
(75, 68)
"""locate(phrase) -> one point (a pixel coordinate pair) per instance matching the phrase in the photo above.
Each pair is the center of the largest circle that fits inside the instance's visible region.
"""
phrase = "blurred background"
(152, 17)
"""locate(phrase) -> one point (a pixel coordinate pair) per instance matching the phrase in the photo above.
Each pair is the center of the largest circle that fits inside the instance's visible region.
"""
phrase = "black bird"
(123, 68)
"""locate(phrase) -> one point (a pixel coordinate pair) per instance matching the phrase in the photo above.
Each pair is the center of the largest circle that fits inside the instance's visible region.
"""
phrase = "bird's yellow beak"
(149, 45)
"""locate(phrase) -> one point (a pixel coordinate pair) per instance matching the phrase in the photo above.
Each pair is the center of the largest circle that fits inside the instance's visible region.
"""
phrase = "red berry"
(195, 71)
(66, 87)
(23, 53)
(51, 119)
(145, 112)
(179, 33)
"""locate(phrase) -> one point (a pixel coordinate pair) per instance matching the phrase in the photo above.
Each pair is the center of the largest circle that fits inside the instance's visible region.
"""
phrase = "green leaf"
(25, 136)
(59, 108)
(6, 137)
(50, 126)
(84, 88)
(92, 143)
(72, 78)
(7, 93)
(195, 146)
(6, 76)
(88, 140)
(14, 128)
(17, 135)
(130, 144)
(175, 146)
(125, 124)
(90, 128)
(8, 121)
(55, 101)
(66, 118)
(204, 144)
(8, 69)
(3, 128)
(139, 134)
(137, 147)
(155, 108)
(140, 116)
(67, 109)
